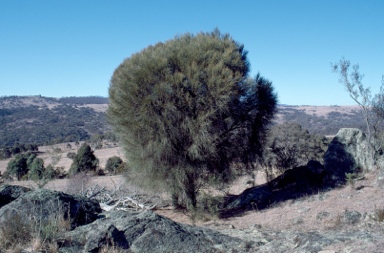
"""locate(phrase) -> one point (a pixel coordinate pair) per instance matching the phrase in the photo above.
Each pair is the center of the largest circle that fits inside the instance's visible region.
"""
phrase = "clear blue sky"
(71, 48)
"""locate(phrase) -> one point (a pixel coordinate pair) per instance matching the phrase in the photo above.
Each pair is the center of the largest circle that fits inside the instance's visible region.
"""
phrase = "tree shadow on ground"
(292, 184)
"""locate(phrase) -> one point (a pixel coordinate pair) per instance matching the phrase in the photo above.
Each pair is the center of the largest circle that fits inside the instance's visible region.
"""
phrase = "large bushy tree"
(185, 110)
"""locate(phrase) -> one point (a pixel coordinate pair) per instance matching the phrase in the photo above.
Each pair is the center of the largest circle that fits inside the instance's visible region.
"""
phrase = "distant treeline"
(7, 152)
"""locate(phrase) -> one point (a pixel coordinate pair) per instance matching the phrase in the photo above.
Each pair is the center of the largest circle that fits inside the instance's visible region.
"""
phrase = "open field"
(47, 152)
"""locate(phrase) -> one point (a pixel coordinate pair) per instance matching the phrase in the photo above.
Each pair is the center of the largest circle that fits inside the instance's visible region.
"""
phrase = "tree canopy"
(185, 110)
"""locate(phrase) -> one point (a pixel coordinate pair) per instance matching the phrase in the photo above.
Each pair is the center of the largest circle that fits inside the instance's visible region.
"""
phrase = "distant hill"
(44, 120)
(322, 120)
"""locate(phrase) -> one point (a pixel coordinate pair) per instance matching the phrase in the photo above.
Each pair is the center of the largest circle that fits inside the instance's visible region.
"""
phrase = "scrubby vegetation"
(37, 234)
(289, 146)
(208, 145)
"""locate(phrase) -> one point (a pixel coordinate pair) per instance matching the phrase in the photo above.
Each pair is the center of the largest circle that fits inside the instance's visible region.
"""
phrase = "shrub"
(84, 161)
(71, 155)
(114, 165)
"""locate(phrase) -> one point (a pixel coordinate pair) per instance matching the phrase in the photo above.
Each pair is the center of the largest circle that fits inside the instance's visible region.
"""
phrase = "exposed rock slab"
(9, 193)
(308, 242)
(348, 152)
(147, 232)
(41, 204)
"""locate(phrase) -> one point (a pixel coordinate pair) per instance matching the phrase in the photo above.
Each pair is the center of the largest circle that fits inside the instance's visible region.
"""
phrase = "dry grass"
(24, 231)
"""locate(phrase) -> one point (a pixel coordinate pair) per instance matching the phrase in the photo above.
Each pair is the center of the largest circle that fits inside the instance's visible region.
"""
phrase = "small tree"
(371, 106)
(36, 169)
(18, 166)
(84, 161)
(185, 110)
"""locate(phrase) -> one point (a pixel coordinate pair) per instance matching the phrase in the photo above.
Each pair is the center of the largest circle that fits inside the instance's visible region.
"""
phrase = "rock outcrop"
(42, 204)
(9, 193)
(146, 232)
(348, 152)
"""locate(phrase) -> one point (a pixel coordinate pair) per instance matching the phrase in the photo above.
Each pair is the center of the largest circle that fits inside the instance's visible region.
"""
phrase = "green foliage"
(184, 111)
(208, 207)
(28, 166)
(5, 153)
(84, 161)
(114, 165)
(36, 169)
(18, 166)
(350, 178)
(290, 146)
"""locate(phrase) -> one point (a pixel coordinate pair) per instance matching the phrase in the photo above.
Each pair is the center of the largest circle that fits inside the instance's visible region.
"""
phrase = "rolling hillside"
(43, 120)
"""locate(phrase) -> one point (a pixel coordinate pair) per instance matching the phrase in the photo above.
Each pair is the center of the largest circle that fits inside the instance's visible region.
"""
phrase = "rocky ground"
(302, 210)
(346, 219)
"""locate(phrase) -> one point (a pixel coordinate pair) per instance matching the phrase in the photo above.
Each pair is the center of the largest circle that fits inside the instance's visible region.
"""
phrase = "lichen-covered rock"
(351, 217)
(146, 232)
(9, 193)
(348, 152)
(42, 204)
(379, 182)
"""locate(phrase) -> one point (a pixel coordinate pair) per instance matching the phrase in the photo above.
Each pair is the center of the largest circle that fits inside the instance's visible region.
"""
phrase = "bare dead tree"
(371, 106)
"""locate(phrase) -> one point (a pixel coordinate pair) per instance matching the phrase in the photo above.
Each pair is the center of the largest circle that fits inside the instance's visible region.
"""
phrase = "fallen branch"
(108, 200)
